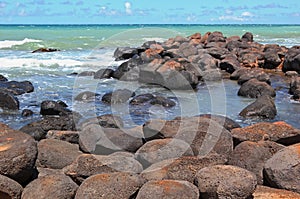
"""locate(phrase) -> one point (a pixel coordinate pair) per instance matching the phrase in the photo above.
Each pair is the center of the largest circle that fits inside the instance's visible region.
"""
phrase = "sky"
(149, 12)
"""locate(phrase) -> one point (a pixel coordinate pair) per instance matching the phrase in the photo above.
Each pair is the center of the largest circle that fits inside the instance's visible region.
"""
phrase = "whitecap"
(158, 39)
(11, 43)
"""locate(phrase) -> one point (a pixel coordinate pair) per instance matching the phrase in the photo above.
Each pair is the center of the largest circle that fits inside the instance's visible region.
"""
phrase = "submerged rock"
(118, 96)
(17, 88)
(42, 50)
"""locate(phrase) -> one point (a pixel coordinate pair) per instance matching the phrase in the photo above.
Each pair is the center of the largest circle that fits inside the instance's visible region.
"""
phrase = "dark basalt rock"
(86, 96)
(49, 107)
(104, 73)
(123, 53)
(129, 70)
(118, 96)
(248, 37)
(8, 101)
(27, 113)
(42, 50)
(141, 99)
(3, 79)
(86, 74)
(254, 88)
(165, 102)
(17, 88)
(263, 107)
(292, 60)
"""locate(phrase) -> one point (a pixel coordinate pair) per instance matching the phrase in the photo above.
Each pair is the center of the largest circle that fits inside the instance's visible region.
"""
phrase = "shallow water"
(90, 48)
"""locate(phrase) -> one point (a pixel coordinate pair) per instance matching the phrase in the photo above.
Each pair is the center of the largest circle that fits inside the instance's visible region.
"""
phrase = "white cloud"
(233, 18)
(228, 12)
(247, 14)
(128, 8)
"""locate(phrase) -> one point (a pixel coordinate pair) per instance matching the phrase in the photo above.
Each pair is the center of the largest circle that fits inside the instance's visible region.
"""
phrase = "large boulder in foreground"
(263, 192)
(253, 156)
(18, 153)
(168, 189)
(263, 107)
(110, 186)
(87, 165)
(9, 188)
(8, 101)
(50, 186)
(279, 132)
(292, 60)
(224, 181)
(283, 169)
(254, 88)
(183, 168)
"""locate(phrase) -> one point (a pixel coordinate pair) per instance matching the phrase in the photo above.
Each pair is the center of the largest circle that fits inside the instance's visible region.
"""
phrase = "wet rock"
(263, 192)
(106, 121)
(279, 132)
(263, 107)
(110, 186)
(254, 88)
(50, 107)
(239, 72)
(224, 121)
(141, 99)
(161, 149)
(118, 96)
(42, 50)
(129, 70)
(225, 181)
(86, 74)
(123, 53)
(68, 136)
(87, 165)
(3, 79)
(296, 95)
(182, 168)
(27, 113)
(104, 74)
(56, 154)
(260, 75)
(292, 60)
(168, 189)
(17, 88)
(282, 170)
(50, 186)
(253, 155)
(202, 134)
(18, 152)
(8, 101)
(272, 59)
(294, 85)
(102, 141)
(39, 129)
(9, 188)
(165, 102)
(86, 96)
(247, 37)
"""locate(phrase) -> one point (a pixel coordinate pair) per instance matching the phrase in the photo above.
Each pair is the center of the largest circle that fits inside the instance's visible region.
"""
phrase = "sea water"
(91, 47)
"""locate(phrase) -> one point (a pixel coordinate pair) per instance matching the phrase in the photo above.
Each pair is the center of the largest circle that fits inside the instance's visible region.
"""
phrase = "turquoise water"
(90, 47)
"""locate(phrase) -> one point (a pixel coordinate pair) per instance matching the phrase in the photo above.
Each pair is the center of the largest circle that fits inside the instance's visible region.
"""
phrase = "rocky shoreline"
(64, 155)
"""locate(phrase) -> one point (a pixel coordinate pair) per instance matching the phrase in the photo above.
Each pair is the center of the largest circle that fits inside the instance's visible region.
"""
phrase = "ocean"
(90, 48)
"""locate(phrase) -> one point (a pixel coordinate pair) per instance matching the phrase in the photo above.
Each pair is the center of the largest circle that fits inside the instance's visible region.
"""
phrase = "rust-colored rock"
(263, 192)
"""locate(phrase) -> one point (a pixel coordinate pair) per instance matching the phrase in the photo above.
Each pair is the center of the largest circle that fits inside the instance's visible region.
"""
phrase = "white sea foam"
(158, 39)
(11, 43)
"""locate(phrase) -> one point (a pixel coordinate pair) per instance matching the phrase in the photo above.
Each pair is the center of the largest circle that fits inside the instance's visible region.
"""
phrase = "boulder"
(86, 96)
(104, 73)
(182, 168)
(187, 49)
(3, 79)
(202, 134)
(110, 186)
(27, 113)
(8, 101)
(106, 121)
(18, 153)
(9, 188)
(292, 60)
(165, 102)
(294, 85)
(117, 96)
(225, 181)
(39, 129)
(239, 72)
(254, 88)
(224, 121)
(282, 170)
(204, 61)
(129, 70)
(50, 107)
(263, 107)
(86, 74)
(252, 156)
(217, 52)
(17, 88)
(141, 99)
(216, 37)
(272, 59)
(263, 192)
(230, 64)
(68, 136)
(102, 141)
(161, 149)
(123, 53)
(50, 186)
(247, 37)
(279, 132)
(87, 165)
(43, 50)
(168, 189)
(258, 74)
(56, 154)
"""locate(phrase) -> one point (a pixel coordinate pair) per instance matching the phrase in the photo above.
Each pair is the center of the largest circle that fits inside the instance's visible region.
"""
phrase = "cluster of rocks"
(204, 156)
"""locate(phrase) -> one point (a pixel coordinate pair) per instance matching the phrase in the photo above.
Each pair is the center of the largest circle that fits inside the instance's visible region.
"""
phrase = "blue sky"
(149, 11)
